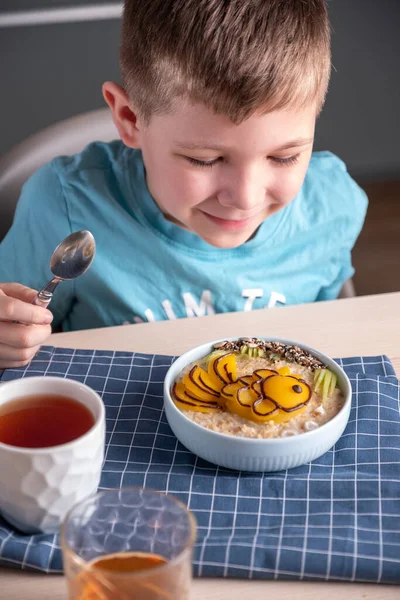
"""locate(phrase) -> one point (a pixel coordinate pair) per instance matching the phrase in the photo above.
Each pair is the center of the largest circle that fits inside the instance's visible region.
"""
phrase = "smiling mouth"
(229, 224)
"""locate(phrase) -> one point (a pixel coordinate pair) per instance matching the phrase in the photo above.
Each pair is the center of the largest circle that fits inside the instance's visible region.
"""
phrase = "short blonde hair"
(237, 57)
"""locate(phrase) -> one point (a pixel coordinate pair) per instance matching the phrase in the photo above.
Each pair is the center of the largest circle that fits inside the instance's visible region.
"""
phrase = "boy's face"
(222, 180)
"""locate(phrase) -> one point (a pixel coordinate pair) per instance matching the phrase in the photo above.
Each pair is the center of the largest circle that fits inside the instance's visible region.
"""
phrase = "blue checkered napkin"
(336, 518)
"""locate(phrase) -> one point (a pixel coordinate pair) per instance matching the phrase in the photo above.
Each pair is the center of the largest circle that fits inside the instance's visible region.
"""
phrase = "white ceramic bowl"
(247, 454)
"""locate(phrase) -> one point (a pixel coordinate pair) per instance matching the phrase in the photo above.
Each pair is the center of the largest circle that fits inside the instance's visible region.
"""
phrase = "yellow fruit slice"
(181, 393)
(199, 384)
(230, 389)
(263, 410)
(278, 416)
(223, 369)
(263, 373)
(241, 407)
(185, 401)
(284, 371)
(256, 386)
(246, 396)
(247, 379)
(288, 392)
(203, 408)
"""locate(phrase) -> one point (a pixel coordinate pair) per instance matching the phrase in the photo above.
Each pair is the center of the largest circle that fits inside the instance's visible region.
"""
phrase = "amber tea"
(128, 544)
(101, 579)
(128, 562)
(43, 421)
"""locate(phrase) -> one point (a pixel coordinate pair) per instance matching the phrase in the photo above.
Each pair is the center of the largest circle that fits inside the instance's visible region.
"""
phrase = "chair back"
(63, 138)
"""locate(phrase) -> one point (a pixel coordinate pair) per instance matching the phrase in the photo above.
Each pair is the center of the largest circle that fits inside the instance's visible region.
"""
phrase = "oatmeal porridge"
(257, 389)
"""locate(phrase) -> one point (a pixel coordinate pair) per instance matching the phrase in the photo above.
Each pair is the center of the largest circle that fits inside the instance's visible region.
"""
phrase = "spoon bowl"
(71, 259)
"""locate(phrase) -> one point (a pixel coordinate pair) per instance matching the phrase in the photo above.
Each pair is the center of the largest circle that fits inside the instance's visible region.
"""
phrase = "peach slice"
(198, 383)
(203, 408)
(224, 367)
(256, 386)
(181, 393)
(286, 416)
(248, 379)
(230, 389)
(262, 408)
(288, 392)
(263, 373)
(284, 371)
(201, 376)
(216, 380)
(246, 396)
(240, 411)
(185, 401)
(241, 403)
(277, 416)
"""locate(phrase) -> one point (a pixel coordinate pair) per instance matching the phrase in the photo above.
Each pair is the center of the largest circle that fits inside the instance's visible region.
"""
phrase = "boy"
(209, 203)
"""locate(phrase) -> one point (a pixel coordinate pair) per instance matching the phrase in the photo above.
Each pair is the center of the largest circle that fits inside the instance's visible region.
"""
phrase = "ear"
(124, 116)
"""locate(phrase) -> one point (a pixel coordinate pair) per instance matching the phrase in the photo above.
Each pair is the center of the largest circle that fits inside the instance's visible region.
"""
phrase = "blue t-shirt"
(147, 268)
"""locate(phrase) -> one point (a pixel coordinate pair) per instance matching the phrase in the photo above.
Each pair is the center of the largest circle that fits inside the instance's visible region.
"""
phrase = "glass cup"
(126, 544)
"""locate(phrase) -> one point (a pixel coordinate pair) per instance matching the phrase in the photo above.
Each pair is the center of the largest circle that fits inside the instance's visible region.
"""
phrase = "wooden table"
(366, 325)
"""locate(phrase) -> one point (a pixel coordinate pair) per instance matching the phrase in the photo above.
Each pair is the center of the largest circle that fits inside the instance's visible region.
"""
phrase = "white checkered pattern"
(336, 518)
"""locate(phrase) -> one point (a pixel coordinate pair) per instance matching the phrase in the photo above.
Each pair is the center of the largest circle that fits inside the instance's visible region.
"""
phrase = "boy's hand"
(23, 326)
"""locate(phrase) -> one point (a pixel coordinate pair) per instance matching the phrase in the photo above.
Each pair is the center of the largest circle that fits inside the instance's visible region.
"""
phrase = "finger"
(23, 336)
(16, 357)
(13, 365)
(12, 309)
(16, 290)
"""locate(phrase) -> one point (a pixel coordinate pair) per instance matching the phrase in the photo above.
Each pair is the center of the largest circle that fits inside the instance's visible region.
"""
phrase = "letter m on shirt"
(194, 309)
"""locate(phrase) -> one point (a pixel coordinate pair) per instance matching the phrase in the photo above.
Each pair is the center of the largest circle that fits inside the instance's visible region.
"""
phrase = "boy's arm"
(41, 222)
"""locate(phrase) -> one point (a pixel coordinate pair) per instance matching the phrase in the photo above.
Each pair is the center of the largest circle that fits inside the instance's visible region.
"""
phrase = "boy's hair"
(237, 57)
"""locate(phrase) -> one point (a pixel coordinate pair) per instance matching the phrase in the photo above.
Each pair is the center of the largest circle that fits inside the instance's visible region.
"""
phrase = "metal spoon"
(69, 260)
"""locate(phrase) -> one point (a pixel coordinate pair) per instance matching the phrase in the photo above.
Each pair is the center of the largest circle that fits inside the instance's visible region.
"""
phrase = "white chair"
(66, 137)
(348, 290)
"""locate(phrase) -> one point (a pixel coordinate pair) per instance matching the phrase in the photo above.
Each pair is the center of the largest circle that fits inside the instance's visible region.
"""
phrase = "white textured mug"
(39, 485)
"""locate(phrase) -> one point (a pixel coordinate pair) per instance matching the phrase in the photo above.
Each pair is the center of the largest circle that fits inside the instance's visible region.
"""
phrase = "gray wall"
(50, 72)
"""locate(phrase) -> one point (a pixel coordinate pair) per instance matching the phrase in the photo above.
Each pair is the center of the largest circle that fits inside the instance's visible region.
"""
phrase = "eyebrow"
(220, 147)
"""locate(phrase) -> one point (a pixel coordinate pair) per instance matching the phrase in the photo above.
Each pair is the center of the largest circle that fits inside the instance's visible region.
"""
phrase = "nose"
(243, 190)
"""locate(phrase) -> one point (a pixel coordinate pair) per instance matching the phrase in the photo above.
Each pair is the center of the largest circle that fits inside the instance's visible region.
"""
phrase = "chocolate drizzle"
(202, 385)
(190, 400)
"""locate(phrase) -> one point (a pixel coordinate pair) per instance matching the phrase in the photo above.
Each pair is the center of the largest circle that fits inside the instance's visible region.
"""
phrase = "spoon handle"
(43, 298)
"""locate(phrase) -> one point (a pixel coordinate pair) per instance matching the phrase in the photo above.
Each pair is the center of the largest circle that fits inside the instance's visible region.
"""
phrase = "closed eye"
(202, 163)
(290, 160)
